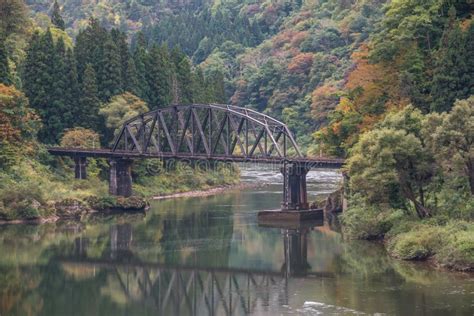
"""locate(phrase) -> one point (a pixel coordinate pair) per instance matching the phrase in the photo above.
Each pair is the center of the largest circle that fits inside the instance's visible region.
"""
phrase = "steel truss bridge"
(205, 132)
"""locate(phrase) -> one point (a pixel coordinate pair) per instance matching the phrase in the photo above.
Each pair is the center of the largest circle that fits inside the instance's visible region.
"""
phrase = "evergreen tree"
(38, 80)
(131, 85)
(56, 17)
(57, 114)
(216, 87)
(5, 76)
(158, 77)
(89, 47)
(468, 76)
(72, 91)
(450, 66)
(87, 116)
(110, 76)
(120, 40)
(199, 87)
(140, 57)
(184, 80)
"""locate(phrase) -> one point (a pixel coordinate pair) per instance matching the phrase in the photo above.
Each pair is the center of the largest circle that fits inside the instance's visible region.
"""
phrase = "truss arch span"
(207, 130)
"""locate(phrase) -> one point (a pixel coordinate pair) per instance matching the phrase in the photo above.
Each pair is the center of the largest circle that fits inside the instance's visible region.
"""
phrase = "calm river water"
(209, 256)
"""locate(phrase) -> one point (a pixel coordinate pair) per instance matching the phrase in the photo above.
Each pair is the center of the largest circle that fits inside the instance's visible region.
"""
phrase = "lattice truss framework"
(207, 130)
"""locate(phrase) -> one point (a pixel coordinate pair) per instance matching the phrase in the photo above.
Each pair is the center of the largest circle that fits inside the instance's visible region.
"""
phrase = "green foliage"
(56, 18)
(158, 77)
(365, 221)
(20, 202)
(44, 81)
(5, 75)
(87, 112)
(451, 138)
(120, 109)
(181, 179)
(390, 163)
(452, 77)
(452, 245)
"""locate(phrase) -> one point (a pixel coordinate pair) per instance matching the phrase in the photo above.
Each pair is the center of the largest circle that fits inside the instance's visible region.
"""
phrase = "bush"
(452, 245)
(417, 244)
(21, 201)
(457, 251)
(106, 203)
(363, 221)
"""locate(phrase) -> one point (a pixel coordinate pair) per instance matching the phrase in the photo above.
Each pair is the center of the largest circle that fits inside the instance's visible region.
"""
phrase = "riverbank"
(441, 242)
(32, 192)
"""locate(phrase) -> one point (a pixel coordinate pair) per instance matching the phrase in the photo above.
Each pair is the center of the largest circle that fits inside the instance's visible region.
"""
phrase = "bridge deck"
(107, 153)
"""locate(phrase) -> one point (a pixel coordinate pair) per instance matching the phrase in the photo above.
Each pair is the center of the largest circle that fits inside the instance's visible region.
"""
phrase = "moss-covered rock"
(113, 203)
(331, 204)
(71, 208)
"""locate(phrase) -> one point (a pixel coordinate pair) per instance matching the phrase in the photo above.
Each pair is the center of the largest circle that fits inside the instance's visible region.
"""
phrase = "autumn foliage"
(18, 122)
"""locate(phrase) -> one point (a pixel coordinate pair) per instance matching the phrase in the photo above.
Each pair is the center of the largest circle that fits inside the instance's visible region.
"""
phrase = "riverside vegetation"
(387, 85)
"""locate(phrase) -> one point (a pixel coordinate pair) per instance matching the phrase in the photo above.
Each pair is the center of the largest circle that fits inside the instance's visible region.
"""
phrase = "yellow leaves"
(80, 138)
(345, 105)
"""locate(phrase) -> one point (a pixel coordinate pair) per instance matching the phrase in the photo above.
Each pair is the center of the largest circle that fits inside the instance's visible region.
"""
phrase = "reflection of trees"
(175, 260)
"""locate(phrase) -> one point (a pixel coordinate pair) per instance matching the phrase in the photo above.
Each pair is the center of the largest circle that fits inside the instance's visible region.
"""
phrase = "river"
(209, 256)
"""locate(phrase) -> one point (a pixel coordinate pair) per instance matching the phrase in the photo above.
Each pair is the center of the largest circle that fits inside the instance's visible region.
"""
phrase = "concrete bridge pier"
(295, 195)
(120, 182)
(80, 167)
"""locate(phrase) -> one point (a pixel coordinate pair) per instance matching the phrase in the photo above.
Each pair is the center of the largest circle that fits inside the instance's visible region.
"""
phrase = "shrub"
(452, 245)
(363, 221)
(418, 244)
(21, 201)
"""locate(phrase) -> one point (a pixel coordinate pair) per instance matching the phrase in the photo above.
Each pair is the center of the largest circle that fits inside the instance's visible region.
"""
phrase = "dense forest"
(388, 85)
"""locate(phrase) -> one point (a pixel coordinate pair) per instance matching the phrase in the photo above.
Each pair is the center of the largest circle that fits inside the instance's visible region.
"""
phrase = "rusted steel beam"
(184, 127)
(201, 132)
(219, 134)
(237, 130)
(152, 129)
(167, 133)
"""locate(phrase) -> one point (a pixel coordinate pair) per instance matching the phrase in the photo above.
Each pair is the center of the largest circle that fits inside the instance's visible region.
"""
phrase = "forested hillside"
(386, 84)
(75, 92)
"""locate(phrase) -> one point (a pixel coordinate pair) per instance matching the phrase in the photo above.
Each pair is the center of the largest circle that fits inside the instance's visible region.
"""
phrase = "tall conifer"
(56, 17)
(89, 102)
(5, 75)
(110, 77)
(448, 82)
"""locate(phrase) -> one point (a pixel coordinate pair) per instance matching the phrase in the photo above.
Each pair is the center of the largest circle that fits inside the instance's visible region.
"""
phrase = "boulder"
(70, 208)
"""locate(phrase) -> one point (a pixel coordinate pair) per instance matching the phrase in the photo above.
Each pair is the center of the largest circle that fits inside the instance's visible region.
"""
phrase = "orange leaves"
(323, 100)
(364, 73)
(301, 63)
(298, 38)
(16, 118)
(283, 38)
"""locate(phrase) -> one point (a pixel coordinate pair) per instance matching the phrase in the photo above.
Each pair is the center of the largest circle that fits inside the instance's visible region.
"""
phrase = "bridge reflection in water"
(197, 290)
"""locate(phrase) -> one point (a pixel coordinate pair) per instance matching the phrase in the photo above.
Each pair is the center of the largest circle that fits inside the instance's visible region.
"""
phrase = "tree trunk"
(421, 210)
(470, 174)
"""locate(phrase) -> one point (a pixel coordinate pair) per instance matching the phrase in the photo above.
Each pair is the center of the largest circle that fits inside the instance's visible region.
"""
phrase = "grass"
(446, 241)
(30, 189)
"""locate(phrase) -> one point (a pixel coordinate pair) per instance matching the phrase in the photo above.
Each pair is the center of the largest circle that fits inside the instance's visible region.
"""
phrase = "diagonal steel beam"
(219, 134)
(184, 127)
(237, 130)
(201, 132)
(133, 139)
(167, 133)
